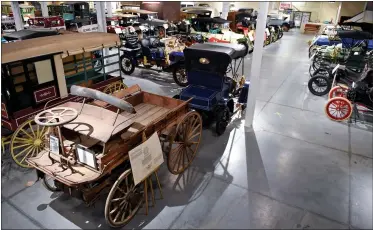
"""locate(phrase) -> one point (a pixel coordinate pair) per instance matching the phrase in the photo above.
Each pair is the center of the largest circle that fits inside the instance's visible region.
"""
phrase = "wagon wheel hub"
(37, 142)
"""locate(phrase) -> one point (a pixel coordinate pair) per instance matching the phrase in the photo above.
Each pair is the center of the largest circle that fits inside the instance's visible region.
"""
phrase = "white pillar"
(338, 13)
(44, 9)
(109, 9)
(101, 20)
(256, 64)
(17, 16)
(225, 10)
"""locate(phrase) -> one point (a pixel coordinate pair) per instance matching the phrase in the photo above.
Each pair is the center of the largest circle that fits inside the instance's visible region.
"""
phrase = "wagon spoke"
(22, 151)
(190, 138)
(26, 133)
(22, 139)
(20, 146)
(33, 150)
(118, 199)
(29, 124)
(195, 129)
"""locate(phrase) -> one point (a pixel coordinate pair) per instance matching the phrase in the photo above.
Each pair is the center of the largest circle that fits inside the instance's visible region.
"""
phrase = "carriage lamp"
(204, 61)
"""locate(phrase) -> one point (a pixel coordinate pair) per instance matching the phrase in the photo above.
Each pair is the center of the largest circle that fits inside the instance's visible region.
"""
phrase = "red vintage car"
(54, 22)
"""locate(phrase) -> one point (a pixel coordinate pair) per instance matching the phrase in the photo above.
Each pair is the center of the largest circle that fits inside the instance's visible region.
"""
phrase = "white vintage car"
(217, 30)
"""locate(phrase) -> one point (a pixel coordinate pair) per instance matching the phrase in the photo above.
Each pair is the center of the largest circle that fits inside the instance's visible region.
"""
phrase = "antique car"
(52, 22)
(215, 82)
(241, 21)
(216, 30)
(148, 52)
(87, 147)
(27, 12)
(326, 76)
(188, 13)
(121, 21)
(150, 19)
(41, 70)
(7, 24)
(356, 98)
(28, 34)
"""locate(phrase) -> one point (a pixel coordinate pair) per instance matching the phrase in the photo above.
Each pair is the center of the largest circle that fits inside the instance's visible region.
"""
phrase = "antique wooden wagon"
(86, 145)
(38, 70)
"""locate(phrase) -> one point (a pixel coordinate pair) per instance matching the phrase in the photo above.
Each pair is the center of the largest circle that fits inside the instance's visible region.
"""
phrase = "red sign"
(4, 113)
(45, 94)
(285, 5)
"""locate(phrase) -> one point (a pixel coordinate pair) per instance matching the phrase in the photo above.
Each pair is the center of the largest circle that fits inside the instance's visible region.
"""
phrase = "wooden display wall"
(166, 10)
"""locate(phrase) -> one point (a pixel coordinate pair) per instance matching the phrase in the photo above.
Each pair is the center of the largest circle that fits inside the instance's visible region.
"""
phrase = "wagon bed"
(154, 113)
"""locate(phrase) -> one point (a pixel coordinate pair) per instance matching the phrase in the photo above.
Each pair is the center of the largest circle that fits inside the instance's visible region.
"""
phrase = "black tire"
(280, 35)
(126, 67)
(312, 48)
(323, 72)
(222, 120)
(179, 78)
(319, 80)
(47, 184)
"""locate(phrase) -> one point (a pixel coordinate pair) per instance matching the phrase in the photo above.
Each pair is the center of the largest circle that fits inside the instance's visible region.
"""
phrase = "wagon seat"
(152, 47)
(207, 65)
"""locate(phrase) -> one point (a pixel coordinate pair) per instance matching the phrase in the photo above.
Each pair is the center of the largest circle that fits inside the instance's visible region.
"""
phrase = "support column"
(17, 16)
(44, 9)
(109, 9)
(101, 20)
(338, 13)
(256, 64)
(225, 10)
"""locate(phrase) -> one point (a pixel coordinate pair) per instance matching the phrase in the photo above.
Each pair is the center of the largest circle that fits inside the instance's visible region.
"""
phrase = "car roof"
(67, 44)
(213, 20)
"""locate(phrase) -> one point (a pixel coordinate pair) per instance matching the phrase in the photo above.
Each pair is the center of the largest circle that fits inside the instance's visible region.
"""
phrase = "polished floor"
(296, 170)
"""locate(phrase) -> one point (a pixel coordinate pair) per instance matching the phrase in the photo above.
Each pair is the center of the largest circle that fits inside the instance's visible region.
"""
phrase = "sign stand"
(147, 181)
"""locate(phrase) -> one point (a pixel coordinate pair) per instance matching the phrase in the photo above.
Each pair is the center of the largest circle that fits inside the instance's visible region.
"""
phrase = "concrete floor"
(297, 169)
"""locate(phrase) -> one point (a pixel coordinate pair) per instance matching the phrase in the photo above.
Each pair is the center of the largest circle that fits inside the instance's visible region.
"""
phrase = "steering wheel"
(56, 116)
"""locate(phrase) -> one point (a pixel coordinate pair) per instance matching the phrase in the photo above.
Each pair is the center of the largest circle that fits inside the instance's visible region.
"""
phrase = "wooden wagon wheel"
(338, 91)
(114, 87)
(184, 143)
(27, 141)
(338, 109)
(123, 201)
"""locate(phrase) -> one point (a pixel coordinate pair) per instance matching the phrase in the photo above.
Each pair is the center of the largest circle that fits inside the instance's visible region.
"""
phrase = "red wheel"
(338, 109)
(338, 91)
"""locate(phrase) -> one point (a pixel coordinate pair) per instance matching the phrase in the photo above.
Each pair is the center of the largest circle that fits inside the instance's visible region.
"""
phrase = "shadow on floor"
(178, 192)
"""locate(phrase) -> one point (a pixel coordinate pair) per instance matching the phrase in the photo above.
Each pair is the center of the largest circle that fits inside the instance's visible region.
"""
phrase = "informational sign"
(45, 94)
(86, 156)
(146, 158)
(54, 144)
(88, 28)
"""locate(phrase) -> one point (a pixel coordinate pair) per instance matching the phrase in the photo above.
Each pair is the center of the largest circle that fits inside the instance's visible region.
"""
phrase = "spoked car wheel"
(184, 143)
(320, 71)
(126, 64)
(222, 120)
(115, 87)
(27, 141)
(180, 76)
(123, 201)
(338, 109)
(319, 85)
(338, 91)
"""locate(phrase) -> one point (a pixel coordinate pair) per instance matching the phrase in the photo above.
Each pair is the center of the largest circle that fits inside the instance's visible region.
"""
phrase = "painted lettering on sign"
(4, 113)
(45, 94)
(6, 124)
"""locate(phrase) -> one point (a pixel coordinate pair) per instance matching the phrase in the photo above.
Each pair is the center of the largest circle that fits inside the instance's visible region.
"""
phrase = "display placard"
(86, 156)
(54, 144)
(146, 158)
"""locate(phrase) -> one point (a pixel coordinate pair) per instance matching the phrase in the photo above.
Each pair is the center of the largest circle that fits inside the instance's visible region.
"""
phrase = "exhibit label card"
(146, 158)
(54, 145)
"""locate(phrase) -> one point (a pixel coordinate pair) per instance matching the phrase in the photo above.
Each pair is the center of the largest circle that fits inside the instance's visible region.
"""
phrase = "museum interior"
(186, 115)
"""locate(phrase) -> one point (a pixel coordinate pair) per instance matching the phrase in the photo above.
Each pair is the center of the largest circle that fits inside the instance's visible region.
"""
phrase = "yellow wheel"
(27, 141)
(115, 87)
